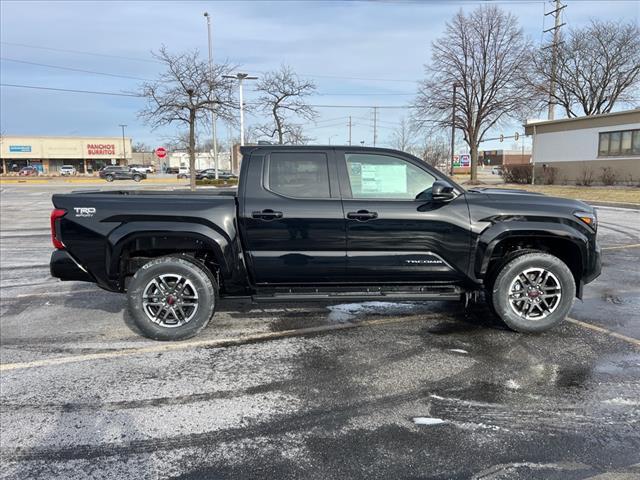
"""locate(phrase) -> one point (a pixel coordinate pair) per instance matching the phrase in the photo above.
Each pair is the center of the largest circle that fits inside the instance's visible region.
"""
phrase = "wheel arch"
(567, 244)
(135, 243)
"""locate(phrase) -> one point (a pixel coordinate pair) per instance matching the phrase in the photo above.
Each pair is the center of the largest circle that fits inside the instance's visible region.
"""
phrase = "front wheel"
(137, 178)
(533, 292)
(172, 298)
(109, 178)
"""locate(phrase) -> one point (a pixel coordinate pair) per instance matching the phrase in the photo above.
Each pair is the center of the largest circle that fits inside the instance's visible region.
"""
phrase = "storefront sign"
(101, 149)
(20, 148)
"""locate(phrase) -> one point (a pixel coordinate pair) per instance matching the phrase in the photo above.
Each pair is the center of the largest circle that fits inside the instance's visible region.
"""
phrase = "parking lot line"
(596, 328)
(620, 247)
(219, 342)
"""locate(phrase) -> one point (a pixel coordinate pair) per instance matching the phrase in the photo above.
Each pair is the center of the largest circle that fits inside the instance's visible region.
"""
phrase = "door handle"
(267, 214)
(362, 215)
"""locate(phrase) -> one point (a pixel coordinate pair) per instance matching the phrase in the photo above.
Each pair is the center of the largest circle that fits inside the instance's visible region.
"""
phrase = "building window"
(620, 143)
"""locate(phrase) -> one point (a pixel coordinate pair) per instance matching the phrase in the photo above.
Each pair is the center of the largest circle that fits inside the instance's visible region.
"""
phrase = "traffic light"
(501, 137)
(516, 136)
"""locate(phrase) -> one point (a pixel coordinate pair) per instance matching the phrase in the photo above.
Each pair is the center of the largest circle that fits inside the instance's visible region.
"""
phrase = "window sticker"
(383, 178)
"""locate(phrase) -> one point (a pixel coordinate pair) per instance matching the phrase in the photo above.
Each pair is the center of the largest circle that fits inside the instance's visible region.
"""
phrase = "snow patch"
(427, 421)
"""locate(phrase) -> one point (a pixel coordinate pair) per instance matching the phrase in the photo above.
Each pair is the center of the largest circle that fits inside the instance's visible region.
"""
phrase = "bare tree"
(283, 97)
(434, 150)
(141, 147)
(484, 52)
(598, 66)
(185, 93)
(401, 136)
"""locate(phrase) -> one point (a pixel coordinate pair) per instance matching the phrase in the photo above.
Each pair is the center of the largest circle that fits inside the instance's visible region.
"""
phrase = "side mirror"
(441, 191)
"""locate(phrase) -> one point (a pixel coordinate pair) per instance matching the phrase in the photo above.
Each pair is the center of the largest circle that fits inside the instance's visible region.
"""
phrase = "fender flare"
(497, 233)
(169, 235)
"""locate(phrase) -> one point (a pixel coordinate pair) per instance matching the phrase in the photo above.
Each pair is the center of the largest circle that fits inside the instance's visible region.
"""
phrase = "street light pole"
(213, 113)
(241, 77)
(124, 150)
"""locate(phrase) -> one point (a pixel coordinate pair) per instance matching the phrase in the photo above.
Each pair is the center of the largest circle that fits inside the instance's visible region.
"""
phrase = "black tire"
(201, 281)
(109, 178)
(137, 178)
(528, 295)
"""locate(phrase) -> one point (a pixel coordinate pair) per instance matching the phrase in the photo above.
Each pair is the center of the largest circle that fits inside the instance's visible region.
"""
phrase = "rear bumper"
(64, 267)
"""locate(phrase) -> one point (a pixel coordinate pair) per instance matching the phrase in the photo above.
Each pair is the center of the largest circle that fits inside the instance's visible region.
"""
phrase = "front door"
(292, 218)
(392, 237)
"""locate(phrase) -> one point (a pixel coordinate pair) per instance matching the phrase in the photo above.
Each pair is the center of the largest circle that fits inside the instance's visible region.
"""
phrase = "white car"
(67, 170)
(496, 170)
(183, 172)
(142, 168)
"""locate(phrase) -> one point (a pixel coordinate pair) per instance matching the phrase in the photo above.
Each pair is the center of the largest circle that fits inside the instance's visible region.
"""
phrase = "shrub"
(549, 175)
(517, 173)
(585, 178)
(608, 176)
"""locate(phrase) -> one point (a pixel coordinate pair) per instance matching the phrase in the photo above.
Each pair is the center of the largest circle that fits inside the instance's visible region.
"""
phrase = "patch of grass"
(220, 182)
(606, 194)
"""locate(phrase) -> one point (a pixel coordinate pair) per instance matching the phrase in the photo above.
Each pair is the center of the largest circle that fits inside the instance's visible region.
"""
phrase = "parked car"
(497, 170)
(67, 170)
(210, 174)
(172, 170)
(183, 172)
(316, 223)
(116, 172)
(28, 172)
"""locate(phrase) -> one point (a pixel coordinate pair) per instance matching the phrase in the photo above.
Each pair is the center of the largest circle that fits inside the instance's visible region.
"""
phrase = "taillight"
(55, 215)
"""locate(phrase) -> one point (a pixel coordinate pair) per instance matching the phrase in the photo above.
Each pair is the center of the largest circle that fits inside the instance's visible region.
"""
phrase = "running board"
(442, 293)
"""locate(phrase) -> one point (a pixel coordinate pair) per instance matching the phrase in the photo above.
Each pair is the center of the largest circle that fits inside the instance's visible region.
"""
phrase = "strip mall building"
(48, 154)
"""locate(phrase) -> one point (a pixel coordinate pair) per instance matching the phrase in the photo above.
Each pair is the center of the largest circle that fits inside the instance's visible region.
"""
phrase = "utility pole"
(213, 113)
(375, 125)
(241, 77)
(554, 55)
(349, 130)
(124, 149)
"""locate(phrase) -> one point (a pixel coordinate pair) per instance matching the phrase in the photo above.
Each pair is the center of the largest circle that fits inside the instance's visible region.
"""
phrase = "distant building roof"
(590, 121)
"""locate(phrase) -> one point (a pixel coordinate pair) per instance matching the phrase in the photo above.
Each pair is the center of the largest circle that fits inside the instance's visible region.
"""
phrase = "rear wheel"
(109, 178)
(533, 292)
(172, 298)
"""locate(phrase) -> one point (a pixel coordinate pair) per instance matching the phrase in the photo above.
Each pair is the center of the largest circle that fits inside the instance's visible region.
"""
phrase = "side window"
(299, 174)
(385, 177)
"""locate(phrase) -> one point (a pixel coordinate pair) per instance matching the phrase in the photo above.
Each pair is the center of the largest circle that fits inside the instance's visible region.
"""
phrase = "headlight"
(589, 218)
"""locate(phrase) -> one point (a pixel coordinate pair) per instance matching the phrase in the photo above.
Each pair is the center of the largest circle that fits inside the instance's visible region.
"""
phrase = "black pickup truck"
(327, 223)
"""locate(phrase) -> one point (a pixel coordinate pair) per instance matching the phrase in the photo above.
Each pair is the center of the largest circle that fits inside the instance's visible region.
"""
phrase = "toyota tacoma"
(331, 224)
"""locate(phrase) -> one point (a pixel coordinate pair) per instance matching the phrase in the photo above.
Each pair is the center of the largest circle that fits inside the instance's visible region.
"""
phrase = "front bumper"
(595, 266)
(64, 267)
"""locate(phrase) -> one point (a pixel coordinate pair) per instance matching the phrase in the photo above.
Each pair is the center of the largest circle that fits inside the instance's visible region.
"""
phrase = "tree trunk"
(474, 161)
(192, 149)
(278, 126)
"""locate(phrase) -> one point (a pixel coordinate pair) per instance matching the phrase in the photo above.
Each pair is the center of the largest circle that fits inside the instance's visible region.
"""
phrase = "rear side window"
(299, 174)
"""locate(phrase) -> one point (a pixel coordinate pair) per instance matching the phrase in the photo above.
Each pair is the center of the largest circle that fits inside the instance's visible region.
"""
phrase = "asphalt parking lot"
(374, 390)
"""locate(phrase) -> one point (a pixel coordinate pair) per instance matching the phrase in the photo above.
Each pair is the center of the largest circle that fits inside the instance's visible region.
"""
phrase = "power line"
(73, 69)
(70, 90)
(136, 59)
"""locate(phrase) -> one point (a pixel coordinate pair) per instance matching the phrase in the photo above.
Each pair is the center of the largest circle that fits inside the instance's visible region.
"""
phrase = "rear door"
(291, 217)
(391, 236)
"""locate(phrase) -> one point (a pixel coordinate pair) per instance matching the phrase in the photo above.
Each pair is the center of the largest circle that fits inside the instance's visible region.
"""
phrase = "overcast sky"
(358, 53)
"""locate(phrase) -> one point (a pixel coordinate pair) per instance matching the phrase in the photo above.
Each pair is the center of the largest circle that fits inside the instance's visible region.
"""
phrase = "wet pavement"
(372, 390)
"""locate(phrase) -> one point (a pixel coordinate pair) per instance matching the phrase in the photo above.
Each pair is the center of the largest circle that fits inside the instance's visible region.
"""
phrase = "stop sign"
(161, 152)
